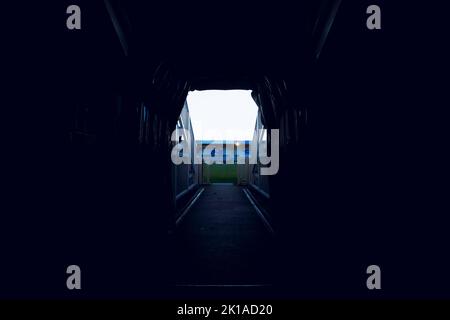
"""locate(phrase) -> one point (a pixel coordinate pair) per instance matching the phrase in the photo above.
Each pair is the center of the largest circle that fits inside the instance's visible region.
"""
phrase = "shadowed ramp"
(222, 241)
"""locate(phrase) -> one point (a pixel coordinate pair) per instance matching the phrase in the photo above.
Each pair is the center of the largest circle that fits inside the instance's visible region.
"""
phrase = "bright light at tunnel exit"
(222, 114)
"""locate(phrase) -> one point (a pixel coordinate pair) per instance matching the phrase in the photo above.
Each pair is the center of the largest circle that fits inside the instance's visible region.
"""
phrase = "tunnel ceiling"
(223, 46)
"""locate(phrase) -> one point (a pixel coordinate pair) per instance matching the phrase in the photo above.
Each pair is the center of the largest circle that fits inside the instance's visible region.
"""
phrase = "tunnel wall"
(186, 178)
(84, 188)
(351, 191)
(260, 183)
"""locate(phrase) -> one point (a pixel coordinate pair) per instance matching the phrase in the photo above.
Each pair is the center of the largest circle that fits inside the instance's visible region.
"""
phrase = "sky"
(222, 114)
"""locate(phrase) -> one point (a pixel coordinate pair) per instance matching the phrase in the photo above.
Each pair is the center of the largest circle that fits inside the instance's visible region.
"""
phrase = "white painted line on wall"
(261, 215)
(185, 211)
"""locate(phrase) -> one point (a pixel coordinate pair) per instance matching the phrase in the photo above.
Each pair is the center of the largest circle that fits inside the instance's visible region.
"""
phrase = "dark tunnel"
(90, 178)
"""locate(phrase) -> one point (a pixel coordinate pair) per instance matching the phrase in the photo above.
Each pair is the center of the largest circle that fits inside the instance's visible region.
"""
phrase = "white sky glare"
(222, 114)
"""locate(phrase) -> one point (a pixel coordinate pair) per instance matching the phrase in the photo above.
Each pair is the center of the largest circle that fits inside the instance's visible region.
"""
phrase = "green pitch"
(222, 173)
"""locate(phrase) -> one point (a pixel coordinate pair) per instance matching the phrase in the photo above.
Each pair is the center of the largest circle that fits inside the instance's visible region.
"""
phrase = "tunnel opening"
(223, 124)
(222, 238)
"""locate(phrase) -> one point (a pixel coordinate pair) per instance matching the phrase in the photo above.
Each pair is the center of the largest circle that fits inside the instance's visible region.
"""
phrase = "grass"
(222, 173)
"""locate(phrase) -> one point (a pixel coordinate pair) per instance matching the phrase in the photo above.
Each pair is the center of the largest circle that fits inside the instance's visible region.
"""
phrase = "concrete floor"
(222, 241)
